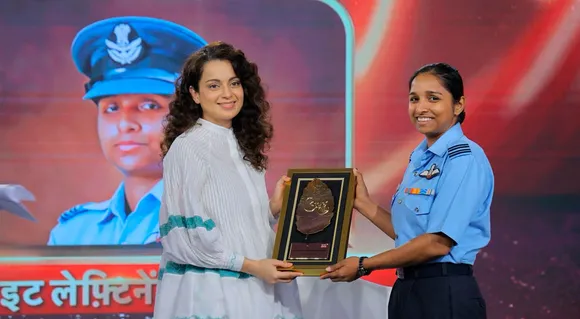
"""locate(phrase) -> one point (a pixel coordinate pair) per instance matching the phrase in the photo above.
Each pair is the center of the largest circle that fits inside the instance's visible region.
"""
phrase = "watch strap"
(362, 271)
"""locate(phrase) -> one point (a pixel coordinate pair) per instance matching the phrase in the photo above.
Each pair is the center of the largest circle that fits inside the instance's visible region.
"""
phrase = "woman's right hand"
(267, 270)
(362, 199)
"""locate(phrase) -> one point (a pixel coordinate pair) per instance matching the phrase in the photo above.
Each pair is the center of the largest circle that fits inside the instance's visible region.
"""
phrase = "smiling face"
(432, 108)
(130, 132)
(220, 95)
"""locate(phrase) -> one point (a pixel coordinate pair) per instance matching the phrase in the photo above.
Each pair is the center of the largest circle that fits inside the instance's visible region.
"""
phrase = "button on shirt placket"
(426, 159)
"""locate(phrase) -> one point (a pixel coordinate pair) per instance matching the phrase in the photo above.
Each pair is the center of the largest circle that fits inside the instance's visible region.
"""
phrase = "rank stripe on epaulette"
(420, 191)
(458, 146)
(69, 214)
(459, 149)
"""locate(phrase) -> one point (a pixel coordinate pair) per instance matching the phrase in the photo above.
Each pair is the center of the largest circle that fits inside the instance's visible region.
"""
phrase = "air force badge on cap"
(132, 55)
(122, 50)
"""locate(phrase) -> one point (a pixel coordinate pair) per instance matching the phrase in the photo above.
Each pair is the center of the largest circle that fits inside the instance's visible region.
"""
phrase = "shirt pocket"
(419, 204)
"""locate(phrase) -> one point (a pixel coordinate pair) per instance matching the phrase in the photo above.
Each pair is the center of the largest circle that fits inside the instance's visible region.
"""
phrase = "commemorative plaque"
(315, 219)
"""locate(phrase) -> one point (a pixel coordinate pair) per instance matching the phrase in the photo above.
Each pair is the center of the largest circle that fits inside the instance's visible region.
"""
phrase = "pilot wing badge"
(122, 50)
(431, 172)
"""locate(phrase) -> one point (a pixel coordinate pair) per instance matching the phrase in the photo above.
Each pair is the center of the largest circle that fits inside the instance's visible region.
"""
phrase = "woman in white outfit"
(215, 217)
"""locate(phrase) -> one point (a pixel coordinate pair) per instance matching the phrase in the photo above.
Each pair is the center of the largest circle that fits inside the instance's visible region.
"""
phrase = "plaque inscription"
(313, 214)
(315, 208)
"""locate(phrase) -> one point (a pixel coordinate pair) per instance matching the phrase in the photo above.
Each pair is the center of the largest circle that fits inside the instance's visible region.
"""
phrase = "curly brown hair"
(251, 126)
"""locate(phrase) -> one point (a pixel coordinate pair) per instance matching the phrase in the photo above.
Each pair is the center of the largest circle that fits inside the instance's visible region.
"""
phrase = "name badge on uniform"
(420, 191)
(431, 172)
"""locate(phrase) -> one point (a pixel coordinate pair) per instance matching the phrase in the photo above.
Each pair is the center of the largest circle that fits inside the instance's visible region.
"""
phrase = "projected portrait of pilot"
(131, 64)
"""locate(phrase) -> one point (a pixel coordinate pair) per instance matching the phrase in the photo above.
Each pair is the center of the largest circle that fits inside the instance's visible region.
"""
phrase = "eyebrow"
(216, 80)
(428, 92)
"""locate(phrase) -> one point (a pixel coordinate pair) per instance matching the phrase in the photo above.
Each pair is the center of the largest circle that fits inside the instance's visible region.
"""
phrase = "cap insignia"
(124, 51)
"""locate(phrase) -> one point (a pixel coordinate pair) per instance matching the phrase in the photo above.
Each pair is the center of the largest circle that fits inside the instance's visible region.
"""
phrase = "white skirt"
(209, 295)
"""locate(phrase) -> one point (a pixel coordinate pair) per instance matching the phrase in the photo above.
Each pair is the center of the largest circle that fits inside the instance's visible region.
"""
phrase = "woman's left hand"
(278, 196)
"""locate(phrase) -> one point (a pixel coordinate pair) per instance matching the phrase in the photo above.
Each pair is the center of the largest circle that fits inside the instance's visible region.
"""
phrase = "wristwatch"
(362, 271)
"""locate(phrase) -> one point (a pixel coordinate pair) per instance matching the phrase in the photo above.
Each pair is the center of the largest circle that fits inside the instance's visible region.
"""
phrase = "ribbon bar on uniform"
(420, 191)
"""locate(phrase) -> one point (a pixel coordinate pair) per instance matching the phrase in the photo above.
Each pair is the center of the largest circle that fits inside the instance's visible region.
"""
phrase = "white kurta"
(215, 212)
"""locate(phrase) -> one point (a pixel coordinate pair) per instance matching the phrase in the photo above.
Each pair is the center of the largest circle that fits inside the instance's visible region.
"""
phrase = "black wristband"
(361, 269)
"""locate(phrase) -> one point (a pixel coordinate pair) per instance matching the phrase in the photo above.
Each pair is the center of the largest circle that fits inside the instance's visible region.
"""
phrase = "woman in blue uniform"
(439, 215)
(132, 64)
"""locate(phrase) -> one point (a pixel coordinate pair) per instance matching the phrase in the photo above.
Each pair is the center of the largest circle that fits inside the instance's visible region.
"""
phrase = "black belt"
(434, 270)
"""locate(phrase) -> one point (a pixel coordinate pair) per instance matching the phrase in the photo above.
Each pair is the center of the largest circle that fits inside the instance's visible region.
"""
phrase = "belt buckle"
(400, 273)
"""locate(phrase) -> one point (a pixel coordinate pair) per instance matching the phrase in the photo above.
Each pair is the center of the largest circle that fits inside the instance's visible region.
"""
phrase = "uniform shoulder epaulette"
(458, 150)
(82, 208)
(71, 213)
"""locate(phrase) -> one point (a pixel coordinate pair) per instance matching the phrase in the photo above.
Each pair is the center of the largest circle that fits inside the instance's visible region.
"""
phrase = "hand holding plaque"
(315, 219)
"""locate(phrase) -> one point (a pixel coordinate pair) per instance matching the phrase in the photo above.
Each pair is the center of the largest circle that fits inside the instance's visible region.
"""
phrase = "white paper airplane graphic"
(11, 196)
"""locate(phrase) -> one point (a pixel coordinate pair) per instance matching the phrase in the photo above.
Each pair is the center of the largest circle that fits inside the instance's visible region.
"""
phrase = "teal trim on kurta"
(177, 221)
(179, 269)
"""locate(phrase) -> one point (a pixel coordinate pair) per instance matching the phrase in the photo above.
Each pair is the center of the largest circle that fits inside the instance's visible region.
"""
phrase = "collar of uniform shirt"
(116, 204)
(438, 148)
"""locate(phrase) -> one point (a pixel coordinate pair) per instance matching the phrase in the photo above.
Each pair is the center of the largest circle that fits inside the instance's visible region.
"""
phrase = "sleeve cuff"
(236, 262)
(447, 231)
(273, 220)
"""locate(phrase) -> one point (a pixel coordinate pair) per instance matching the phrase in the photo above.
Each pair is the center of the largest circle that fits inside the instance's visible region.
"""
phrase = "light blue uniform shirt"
(446, 188)
(106, 223)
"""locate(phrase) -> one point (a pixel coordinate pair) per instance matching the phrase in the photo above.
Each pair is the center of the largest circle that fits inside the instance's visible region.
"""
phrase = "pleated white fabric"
(215, 212)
